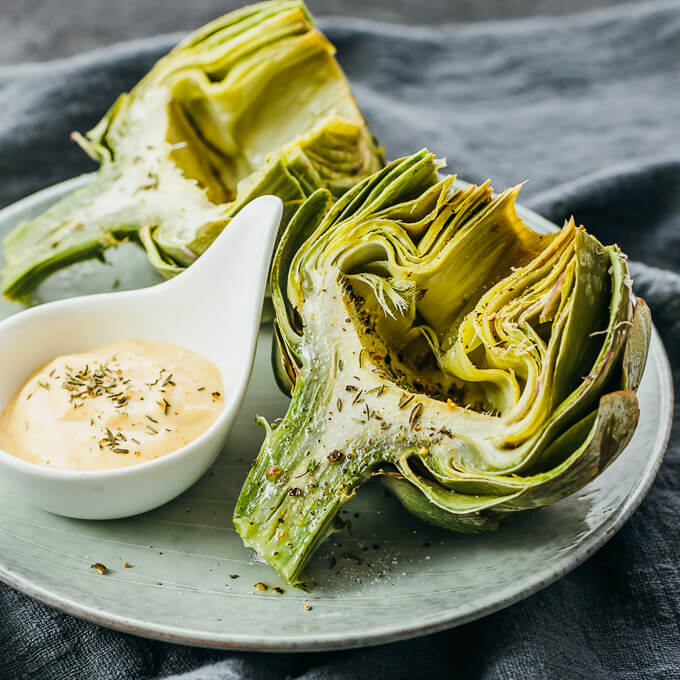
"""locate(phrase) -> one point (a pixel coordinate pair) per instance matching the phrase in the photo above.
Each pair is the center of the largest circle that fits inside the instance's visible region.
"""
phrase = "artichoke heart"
(253, 103)
(430, 337)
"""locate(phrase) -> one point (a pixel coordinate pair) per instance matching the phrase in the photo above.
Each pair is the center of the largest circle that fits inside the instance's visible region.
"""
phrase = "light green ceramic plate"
(394, 578)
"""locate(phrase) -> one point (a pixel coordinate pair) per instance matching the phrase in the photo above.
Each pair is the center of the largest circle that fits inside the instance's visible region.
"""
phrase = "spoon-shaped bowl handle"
(218, 300)
(235, 267)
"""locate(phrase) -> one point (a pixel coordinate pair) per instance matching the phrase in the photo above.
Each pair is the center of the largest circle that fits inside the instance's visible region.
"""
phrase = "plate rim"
(392, 632)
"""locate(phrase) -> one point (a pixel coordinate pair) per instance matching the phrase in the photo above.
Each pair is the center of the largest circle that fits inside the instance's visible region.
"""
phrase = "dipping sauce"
(117, 405)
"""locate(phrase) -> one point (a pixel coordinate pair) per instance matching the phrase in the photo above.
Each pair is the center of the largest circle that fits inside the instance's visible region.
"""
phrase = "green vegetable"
(253, 103)
(430, 337)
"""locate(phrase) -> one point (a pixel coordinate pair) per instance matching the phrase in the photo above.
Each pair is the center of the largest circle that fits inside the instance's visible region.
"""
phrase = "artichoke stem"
(298, 483)
(76, 228)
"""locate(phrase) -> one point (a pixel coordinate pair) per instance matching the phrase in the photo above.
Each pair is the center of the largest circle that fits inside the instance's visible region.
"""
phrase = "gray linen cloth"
(588, 109)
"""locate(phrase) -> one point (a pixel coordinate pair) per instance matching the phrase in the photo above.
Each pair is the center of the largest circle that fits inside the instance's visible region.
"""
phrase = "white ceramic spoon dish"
(213, 309)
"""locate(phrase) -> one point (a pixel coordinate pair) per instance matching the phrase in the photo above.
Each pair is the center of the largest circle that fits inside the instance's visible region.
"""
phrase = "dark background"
(34, 30)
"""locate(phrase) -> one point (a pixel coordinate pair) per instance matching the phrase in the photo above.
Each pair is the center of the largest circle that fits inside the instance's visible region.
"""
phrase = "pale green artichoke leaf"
(574, 466)
(572, 460)
(284, 362)
(430, 508)
(163, 264)
(637, 346)
(460, 264)
(588, 390)
(397, 177)
(455, 501)
(593, 295)
(542, 413)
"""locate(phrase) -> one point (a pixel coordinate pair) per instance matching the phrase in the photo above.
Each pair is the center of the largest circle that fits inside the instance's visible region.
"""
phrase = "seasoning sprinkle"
(415, 414)
(273, 471)
(405, 400)
(335, 456)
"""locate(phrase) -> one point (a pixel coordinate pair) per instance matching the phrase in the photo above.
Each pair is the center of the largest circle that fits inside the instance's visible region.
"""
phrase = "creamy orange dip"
(114, 406)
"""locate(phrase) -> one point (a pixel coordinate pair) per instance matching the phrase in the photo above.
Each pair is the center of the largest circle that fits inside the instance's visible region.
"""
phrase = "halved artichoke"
(428, 335)
(253, 103)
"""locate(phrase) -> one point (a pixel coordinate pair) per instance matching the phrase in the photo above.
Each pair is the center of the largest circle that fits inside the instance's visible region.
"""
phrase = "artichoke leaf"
(431, 507)
(637, 346)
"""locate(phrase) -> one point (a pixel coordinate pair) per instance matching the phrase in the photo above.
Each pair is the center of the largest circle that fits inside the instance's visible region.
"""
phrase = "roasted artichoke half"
(253, 103)
(429, 336)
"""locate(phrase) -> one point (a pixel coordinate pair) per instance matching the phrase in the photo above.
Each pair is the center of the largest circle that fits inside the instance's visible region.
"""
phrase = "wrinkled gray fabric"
(587, 109)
